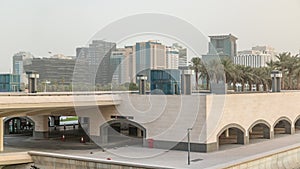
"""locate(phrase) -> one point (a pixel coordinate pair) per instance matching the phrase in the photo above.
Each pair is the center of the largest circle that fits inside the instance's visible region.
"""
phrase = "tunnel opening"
(297, 125)
(259, 132)
(18, 125)
(231, 137)
(282, 127)
(122, 133)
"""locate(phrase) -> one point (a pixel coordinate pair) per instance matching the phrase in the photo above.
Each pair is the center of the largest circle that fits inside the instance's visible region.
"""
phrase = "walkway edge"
(258, 157)
(96, 160)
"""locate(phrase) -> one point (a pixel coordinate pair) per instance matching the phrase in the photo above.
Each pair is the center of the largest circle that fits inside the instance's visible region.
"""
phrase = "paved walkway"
(176, 159)
(219, 159)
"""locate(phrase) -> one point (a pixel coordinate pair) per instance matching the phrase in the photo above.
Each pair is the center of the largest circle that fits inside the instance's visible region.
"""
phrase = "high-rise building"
(266, 50)
(129, 52)
(20, 60)
(182, 58)
(9, 83)
(172, 55)
(222, 46)
(82, 52)
(55, 70)
(257, 57)
(149, 55)
(121, 65)
(97, 57)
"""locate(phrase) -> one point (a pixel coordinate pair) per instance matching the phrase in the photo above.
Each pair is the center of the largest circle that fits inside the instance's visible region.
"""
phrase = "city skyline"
(42, 27)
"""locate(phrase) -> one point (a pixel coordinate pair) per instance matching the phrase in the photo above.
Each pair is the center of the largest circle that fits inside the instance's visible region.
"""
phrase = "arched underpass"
(122, 132)
(297, 125)
(282, 127)
(259, 131)
(18, 125)
(231, 136)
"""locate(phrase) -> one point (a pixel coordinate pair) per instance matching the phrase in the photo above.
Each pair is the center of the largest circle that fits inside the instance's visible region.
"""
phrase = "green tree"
(132, 86)
(282, 64)
(229, 70)
(196, 64)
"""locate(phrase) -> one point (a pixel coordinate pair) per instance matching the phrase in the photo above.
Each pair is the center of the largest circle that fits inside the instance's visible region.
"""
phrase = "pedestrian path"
(175, 159)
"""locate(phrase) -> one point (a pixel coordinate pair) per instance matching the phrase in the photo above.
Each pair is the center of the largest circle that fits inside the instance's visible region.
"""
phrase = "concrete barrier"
(59, 161)
(289, 158)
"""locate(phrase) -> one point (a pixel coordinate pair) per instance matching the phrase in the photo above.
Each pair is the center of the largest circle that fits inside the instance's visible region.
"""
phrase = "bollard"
(63, 138)
(64, 127)
(73, 126)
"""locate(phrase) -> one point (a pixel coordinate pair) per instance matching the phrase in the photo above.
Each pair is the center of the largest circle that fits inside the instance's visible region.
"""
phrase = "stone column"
(292, 129)
(139, 133)
(1, 134)
(56, 120)
(227, 133)
(241, 137)
(272, 135)
(186, 84)
(104, 134)
(267, 133)
(41, 129)
(289, 129)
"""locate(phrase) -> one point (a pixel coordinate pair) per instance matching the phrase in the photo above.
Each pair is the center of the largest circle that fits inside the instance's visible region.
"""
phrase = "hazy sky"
(59, 26)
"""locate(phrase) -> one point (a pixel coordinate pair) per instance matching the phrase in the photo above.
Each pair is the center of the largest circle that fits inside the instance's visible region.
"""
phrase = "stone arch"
(283, 125)
(18, 125)
(232, 134)
(260, 129)
(122, 129)
(297, 123)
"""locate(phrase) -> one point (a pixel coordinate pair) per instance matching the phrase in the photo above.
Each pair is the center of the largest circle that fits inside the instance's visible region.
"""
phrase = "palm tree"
(229, 69)
(204, 74)
(282, 64)
(247, 76)
(291, 67)
(297, 71)
(215, 71)
(271, 65)
(238, 78)
(196, 66)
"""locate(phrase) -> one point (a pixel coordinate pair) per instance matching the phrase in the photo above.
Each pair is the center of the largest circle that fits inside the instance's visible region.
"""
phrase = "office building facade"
(172, 61)
(96, 57)
(165, 81)
(221, 46)
(149, 55)
(10, 83)
(121, 65)
(259, 56)
(20, 60)
(55, 70)
(182, 56)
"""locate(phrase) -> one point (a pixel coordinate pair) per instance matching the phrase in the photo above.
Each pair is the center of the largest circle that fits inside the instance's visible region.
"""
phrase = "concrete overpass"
(163, 120)
(215, 119)
(14, 159)
(40, 106)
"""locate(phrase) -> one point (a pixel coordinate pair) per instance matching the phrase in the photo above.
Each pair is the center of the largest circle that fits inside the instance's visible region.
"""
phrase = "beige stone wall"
(245, 109)
(285, 159)
(58, 161)
(166, 117)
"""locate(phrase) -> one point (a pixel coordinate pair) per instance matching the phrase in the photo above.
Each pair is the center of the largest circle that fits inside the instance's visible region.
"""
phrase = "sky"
(59, 26)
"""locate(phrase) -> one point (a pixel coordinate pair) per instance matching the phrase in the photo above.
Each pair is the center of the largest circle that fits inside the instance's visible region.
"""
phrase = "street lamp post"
(189, 145)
